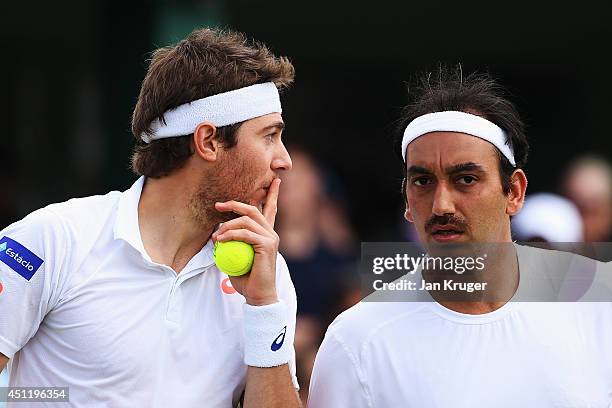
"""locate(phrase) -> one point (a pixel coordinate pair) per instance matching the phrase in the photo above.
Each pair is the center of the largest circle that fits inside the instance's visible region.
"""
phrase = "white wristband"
(265, 334)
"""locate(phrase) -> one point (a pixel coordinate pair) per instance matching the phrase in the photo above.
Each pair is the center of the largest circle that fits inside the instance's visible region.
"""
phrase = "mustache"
(447, 219)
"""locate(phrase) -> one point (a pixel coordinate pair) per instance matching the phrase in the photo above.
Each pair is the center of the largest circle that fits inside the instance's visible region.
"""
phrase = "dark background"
(71, 74)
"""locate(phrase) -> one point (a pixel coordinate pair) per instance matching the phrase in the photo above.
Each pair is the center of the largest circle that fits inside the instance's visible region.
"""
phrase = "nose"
(443, 200)
(282, 160)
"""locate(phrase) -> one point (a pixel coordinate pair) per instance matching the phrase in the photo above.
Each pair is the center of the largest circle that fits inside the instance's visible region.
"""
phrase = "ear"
(516, 196)
(205, 143)
(408, 214)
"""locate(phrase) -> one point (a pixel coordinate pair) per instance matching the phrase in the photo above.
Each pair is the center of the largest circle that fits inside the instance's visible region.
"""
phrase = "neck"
(499, 281)
(170, 234)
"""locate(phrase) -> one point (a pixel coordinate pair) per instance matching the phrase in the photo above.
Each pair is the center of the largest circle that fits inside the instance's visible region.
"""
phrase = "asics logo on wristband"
(278, 342)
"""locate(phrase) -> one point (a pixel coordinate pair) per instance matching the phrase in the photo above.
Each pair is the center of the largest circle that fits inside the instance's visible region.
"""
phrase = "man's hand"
(257, 229)
(271, 386)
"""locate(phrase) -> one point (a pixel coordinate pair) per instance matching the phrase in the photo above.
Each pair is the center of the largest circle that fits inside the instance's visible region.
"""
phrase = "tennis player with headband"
(117, 297)
(463, 148)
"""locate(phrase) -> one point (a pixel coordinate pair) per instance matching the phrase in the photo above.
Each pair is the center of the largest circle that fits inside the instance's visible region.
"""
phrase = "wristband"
(265, 335)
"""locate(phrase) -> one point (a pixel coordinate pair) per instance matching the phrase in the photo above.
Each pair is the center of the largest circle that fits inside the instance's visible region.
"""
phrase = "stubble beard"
(233, 181)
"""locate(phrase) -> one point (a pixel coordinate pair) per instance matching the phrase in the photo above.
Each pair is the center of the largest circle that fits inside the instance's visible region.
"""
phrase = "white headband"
(222, 109)
(453, 121)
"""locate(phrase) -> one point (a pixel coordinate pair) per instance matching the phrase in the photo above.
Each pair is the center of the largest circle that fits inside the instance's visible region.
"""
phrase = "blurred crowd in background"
(74, 76)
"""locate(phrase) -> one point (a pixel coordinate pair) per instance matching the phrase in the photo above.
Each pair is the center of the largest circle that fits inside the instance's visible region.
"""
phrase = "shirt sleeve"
(336, 380)
(32, 253)
(286, 292)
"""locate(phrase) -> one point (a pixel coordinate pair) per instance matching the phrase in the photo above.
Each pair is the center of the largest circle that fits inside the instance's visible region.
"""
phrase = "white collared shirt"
(100, 317)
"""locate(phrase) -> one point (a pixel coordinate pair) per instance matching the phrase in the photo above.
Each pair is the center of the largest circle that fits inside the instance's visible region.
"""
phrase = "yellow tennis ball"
(234, 258)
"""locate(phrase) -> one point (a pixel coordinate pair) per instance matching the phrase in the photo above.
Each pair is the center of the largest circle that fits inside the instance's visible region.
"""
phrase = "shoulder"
(556, 263)
(77, 215)
(85, 215)
(562, 275)
(369, 322)
(348, 348)
(84, 221)
(559, 254)
(55, 232)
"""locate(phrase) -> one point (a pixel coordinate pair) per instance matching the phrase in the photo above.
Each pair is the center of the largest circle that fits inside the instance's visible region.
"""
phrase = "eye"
(270, 137)
(421, 181)
(467, 180)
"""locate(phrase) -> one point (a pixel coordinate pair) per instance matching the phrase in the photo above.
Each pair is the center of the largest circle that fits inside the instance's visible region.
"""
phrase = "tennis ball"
(234, 258)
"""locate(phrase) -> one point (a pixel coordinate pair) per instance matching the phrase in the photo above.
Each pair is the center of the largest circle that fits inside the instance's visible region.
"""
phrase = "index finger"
(271, 206)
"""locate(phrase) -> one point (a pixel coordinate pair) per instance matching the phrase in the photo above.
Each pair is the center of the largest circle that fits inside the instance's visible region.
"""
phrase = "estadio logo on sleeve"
(19, 258)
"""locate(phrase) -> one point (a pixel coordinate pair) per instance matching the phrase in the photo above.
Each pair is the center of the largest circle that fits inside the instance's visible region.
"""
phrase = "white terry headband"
(454, 121)
(223, 109)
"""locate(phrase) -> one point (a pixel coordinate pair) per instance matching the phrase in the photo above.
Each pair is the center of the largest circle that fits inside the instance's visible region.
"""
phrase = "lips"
(445, 228)
(446, 233)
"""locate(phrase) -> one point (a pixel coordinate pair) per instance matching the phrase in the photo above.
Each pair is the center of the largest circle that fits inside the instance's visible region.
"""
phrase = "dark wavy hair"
(450, 90)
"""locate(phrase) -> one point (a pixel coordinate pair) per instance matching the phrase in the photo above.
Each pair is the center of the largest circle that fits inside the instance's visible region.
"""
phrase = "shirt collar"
(127, 228)
(126, 225)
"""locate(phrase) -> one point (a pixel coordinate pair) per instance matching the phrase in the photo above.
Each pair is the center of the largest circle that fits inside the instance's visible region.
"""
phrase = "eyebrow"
(469, 166)
(457, 168)
(412, 170)
(278, 125)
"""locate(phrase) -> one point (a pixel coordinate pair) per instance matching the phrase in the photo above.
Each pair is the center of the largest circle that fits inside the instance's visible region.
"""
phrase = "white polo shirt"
(83, 306)
(421, 354)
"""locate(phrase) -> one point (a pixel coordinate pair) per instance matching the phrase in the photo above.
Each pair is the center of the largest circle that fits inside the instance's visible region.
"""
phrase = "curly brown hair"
(206, 63)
